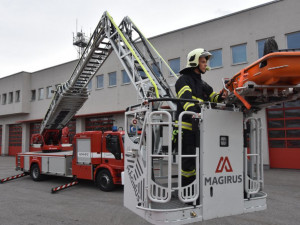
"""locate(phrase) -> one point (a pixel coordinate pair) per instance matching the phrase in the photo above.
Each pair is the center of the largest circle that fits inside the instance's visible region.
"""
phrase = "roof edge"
(218, 18)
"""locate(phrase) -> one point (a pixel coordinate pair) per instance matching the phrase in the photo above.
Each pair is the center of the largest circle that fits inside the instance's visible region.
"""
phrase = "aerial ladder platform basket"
(229, 175)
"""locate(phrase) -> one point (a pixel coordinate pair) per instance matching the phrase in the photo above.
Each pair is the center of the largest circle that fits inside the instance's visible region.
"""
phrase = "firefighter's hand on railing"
(196, 116)
(223, 94)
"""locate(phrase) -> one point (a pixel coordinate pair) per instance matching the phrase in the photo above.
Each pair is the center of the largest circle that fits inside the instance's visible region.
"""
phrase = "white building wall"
(42, 79)
(18, 82)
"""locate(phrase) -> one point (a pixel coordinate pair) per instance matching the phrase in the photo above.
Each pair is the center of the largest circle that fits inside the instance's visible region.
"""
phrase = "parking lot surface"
(25, 202)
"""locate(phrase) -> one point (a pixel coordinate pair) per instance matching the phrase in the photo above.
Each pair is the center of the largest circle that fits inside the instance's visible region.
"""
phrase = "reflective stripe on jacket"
(188, 173)
(191, 86)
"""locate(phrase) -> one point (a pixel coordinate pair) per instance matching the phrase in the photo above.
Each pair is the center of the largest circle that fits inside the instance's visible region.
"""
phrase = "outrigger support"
(59, 188)
(13, 177)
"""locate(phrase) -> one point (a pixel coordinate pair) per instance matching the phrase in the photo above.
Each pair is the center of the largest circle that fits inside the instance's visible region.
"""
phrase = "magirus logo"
(224, 164)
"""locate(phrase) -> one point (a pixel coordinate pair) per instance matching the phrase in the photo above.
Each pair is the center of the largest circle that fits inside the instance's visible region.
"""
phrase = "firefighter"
(191, 86)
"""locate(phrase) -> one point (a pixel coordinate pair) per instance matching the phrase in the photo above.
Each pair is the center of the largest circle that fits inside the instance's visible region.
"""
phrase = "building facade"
(235, 40)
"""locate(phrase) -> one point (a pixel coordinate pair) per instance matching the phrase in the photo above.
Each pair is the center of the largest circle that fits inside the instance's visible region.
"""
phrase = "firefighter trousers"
(188, 172)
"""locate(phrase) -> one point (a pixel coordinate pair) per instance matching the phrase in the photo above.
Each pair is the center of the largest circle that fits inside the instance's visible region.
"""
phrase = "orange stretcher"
(278, 69)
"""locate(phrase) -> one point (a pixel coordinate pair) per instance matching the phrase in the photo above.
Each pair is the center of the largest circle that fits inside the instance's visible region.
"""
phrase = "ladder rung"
(85, 76)
(103, 49)
(105, 43)
(94, 63)
(99, 53)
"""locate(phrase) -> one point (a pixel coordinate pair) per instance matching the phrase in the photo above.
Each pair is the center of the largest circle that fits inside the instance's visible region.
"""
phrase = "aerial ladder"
(137, 56)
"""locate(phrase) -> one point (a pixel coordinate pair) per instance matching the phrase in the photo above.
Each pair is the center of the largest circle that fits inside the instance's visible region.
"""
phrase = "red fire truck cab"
(96, 155)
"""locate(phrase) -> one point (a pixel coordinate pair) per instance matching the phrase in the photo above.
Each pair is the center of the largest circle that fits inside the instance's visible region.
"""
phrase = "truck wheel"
(35, 172)
(104, 181)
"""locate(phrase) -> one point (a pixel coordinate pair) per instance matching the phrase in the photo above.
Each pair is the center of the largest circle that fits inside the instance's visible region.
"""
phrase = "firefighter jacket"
(191, 86)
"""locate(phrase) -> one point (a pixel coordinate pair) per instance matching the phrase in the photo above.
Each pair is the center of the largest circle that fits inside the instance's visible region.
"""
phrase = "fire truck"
(229, 174)
(96, 155)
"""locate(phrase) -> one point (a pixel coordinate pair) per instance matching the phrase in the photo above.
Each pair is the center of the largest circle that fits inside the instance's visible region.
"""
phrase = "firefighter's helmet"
(193, 58)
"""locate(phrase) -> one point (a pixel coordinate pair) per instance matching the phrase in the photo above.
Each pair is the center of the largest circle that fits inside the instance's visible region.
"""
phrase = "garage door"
(284, 135)
(15, 139)
(99, 123)
(0, 139)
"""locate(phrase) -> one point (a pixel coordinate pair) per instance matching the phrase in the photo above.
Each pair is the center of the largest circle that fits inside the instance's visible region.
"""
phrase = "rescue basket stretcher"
(273, 78)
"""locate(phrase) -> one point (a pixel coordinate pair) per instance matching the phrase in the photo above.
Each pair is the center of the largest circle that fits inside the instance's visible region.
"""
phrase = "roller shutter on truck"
(283, 123)
(34, 129)
(72, 129)
(15, 139)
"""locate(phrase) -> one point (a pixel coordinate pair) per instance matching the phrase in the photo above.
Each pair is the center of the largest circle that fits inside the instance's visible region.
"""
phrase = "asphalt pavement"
(25, 202)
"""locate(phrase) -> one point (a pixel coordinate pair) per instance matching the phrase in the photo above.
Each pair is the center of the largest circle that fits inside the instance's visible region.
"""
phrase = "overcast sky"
(36, 34)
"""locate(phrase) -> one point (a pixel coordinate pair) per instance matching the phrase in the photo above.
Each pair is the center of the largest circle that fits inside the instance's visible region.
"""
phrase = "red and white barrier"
(56, 189)
(13, 177)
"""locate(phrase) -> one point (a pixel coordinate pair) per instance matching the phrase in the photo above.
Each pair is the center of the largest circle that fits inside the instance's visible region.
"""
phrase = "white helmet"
(193, 57)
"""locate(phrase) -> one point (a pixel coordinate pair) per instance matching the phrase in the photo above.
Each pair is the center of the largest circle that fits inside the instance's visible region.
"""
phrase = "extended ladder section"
(141, 60)
(71, 95)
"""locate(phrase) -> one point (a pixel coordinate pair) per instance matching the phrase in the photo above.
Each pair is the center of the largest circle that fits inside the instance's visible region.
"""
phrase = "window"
(175, 65)
(89, 85)
(125, 77)
(41, 93)
(3, 99)
(17, 96)
(142, 74)
(216, 59)
(10, 97)
(49, 92)
(113, 145)
(260, 47)
(239, 54)
(155, 69)
(100, 80)
(293, 40)
(112, 79)
(33, 95)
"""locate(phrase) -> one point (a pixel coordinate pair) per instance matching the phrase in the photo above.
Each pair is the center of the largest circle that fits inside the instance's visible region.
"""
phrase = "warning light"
(134, 121)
